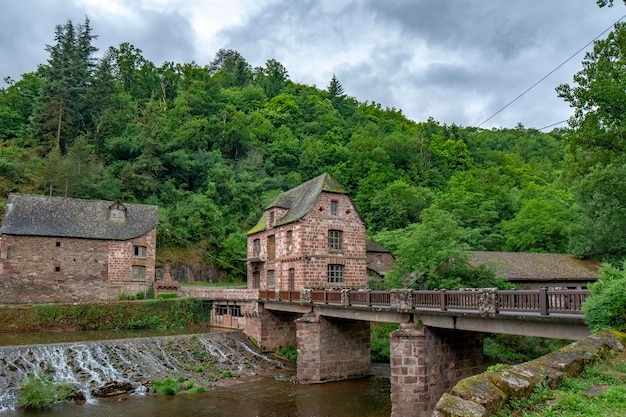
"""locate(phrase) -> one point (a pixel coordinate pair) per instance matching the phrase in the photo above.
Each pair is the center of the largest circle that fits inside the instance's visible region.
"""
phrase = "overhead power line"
(551, 72)
(553, 124)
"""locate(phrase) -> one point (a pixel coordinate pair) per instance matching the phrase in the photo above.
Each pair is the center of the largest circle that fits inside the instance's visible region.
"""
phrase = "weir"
(86, 366)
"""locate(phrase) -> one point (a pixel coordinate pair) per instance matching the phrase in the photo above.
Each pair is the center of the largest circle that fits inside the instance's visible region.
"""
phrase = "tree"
(609, 3)
(424, 248)
(597, 143)
(605, 308)
(231, 67)
(335, 88)
(274, 78)
(62, 103)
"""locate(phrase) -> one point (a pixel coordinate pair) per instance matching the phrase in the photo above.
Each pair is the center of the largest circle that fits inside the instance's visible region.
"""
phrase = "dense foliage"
(606, 308)
(212, 145)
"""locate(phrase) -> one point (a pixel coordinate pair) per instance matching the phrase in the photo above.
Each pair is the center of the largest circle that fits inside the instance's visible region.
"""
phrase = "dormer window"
(271, 219)
(117, 212)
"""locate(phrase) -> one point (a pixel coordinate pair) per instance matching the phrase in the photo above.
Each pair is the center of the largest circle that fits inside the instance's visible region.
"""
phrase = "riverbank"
(121, 315)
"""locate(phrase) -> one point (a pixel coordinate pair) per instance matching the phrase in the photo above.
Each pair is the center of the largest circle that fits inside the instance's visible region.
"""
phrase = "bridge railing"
(483, 301)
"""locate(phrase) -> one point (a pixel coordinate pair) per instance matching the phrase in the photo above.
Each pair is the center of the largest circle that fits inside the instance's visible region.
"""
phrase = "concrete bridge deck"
(541, 313)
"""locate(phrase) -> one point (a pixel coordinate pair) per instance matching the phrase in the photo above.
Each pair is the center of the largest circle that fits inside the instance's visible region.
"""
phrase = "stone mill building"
(55, 249)
(311, 236)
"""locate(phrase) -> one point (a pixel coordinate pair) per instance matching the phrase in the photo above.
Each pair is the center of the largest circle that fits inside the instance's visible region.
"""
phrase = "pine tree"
(335, 88)
(60, 113)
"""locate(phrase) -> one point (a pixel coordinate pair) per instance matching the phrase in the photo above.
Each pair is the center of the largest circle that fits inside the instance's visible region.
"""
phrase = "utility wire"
(551, 72)
(553, 124)
(201, 250)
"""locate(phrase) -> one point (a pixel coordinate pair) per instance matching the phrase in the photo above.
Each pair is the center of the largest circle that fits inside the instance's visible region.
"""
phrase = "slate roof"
(37, 215)
(299, 200)
(538, 266)
(373, 246)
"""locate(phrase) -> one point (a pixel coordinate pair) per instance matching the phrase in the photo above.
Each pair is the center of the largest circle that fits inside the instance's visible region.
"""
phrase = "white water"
(89, 365)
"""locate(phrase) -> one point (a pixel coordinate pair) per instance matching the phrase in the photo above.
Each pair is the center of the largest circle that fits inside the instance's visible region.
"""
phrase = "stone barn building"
(536, 270)
(309, 237)
(55, 249)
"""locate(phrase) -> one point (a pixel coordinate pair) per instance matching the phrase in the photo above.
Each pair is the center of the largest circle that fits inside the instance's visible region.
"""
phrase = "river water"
(268, 396)
(264, 393)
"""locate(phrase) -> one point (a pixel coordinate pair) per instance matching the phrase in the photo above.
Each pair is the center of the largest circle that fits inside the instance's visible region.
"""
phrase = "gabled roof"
(537, 266)
(37, 215)
(299, 200)
(373, 246)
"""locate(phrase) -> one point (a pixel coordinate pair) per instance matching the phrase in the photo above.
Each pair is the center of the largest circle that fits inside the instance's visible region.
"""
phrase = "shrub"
(167, 386)
(125, 297)
(167, 295)
(289, 353)
(379, 340)
(605, 308)
(226, 373)
(38, 391)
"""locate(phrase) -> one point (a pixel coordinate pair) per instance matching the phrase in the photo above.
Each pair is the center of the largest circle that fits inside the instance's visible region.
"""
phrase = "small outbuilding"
(536, 270)
(56, 249)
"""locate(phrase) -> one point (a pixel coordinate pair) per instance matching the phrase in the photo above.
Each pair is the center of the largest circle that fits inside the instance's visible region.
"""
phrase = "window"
(334, 240)
(139, 252)
(334, 207)
(235, 311)
(271, 248)
(271, 219)
(221, 309)
(256, 279)
(335, 274)
(57, 269)
(292, 279)
(256, 247)
(138, 273)
(271, 278)
(117, 212)
(58, 244)
(289, 240)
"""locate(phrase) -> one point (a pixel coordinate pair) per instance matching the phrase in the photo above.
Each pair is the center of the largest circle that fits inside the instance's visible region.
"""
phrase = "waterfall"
(89, 365)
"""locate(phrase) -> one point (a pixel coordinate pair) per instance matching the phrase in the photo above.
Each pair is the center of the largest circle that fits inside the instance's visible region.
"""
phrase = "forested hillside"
(212, 144)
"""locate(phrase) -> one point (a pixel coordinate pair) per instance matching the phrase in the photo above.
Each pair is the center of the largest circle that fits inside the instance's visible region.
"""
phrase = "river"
(264, 393)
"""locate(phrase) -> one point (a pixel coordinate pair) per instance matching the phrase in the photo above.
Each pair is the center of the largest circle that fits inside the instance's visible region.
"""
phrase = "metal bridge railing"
(543, 301)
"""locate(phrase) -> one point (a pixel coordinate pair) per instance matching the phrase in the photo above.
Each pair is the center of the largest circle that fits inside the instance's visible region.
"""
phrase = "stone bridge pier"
(271, 329)
(331, 349)
(426, 362)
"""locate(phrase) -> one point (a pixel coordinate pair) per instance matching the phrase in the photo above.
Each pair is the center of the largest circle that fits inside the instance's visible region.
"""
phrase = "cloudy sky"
(458, 61)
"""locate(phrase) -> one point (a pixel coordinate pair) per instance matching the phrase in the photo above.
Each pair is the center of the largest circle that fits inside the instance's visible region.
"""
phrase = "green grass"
(289, 353)
(600, 391)
(213, 284)
(37, 391)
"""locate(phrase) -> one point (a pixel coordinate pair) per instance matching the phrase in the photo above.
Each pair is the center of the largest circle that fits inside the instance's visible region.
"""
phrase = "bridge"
(439, 340)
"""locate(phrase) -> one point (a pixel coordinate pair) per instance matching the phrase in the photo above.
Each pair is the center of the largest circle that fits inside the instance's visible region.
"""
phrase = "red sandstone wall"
(36, 269)
(121, 257)
(427, 362)
(308, 254)
(331, 349)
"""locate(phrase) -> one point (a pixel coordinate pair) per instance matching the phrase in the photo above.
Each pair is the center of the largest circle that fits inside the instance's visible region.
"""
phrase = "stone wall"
(485, 394)
(36, 269)
(307, 252)
(331, 349)
(272, 330)
(426, 362)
